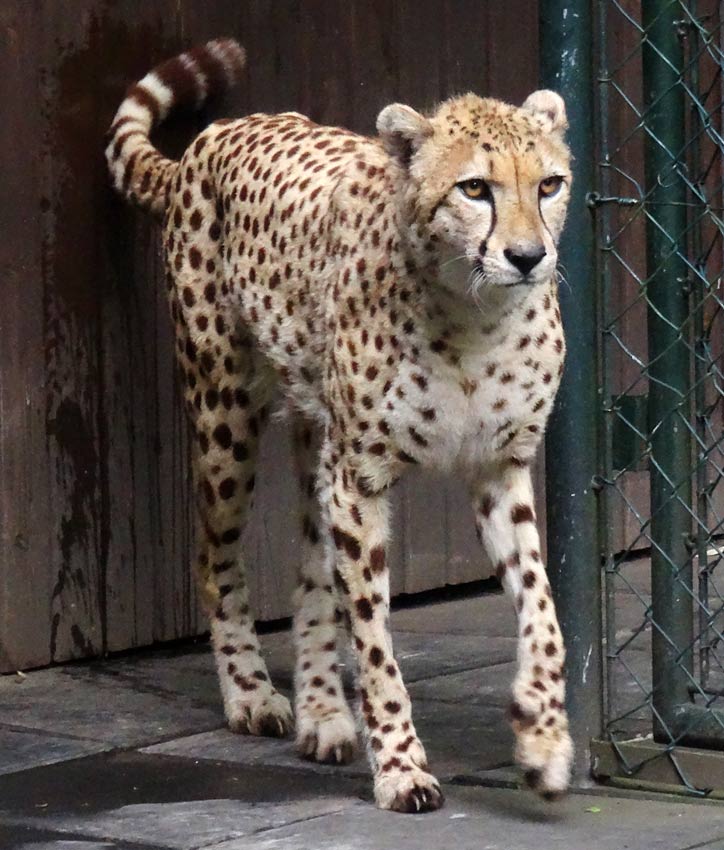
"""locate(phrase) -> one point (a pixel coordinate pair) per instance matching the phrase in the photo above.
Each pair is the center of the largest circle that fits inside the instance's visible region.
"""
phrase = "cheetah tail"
(138, 171)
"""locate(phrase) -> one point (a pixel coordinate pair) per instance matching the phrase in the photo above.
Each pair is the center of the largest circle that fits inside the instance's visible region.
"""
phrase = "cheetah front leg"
(506, 523)
(359, 526)
(326, 729)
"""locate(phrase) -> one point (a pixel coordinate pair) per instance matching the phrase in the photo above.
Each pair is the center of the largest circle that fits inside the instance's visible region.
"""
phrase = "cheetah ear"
(549, 108)
(402, 131)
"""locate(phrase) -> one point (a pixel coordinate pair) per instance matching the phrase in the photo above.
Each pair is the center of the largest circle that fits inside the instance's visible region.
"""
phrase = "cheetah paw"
(411, 792)
(546, 761)
(270, 717)
(331, 739)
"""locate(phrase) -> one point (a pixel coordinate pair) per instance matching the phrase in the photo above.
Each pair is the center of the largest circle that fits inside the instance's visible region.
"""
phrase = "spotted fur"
(402, 291)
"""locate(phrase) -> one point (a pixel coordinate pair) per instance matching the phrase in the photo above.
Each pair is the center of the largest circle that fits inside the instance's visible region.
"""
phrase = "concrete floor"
(132, 754)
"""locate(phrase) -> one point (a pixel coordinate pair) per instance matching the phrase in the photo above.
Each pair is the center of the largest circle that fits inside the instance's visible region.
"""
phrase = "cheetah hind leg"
(227, 421)
(326, 730)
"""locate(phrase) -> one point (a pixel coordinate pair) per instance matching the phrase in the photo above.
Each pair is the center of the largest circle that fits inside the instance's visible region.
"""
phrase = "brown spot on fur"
(377, 559)
(522, 513)
(347, 542)
(364, 608)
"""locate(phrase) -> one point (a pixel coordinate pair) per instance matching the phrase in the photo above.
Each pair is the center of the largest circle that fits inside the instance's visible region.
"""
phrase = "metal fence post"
(574, 556)
(668, 408)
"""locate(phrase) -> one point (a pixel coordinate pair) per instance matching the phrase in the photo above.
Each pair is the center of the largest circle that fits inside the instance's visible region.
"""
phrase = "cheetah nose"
(524, 261)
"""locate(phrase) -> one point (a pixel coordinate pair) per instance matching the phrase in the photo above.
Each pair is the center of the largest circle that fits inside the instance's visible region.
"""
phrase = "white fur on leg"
(543, 750)
(507, 526)
(326, 730)
(546, 760)
(251, 703)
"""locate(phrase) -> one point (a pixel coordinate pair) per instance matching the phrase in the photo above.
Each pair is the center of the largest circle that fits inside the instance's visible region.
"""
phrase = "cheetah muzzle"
(402, 291)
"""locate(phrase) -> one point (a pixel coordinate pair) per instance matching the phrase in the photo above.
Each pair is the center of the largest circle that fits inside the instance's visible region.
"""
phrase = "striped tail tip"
(137, 169)
(187, 80)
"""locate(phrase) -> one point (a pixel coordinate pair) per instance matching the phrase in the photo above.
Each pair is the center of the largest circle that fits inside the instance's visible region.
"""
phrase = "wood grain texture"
(25, 508)
(96, 519)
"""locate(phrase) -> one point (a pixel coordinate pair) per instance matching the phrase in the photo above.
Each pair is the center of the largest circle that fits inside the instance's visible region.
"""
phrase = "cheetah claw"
(271, 718)
(330, 740)
(413, 792)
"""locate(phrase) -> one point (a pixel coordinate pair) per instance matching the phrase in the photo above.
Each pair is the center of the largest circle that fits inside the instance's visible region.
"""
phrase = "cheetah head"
(483, 189)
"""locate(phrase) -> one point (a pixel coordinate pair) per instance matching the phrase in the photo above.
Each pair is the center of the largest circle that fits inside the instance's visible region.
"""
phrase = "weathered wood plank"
(128, 255)
(25, 511)
(73, 448)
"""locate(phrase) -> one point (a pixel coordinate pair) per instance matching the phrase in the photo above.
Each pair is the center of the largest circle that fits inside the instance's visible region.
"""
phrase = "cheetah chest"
(491, 408)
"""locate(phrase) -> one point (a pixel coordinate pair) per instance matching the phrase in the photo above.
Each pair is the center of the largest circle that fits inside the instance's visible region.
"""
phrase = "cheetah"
(401, 290)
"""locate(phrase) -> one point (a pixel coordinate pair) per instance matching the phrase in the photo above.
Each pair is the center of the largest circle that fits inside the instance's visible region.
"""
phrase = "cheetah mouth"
(524, 280)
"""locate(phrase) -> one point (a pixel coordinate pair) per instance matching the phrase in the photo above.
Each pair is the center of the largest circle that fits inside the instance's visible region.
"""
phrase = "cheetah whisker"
(478, 280)
(453, 260)
(560, 274)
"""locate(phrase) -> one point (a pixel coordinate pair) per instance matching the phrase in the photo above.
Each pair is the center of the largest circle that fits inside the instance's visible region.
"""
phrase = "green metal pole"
(574, 556)
(668, 408)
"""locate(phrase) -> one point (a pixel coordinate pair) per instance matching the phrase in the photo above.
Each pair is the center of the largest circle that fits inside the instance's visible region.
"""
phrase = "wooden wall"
(95, 519)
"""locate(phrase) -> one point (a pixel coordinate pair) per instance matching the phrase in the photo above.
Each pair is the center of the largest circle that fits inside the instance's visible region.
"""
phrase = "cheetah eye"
(550, 186)
(476, 190)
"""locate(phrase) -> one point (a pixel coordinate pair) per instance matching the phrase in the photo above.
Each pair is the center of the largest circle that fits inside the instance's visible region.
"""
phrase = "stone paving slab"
(194, 823)
(490, 686)
(199, 786)
(65, 844)
(27, 838)
(166, 802)
(487, 615)
(486, 686)
(121, 703)
(62, 844)
(424, 656)
(491, 615)
(420, 655)
(460, 740)
(21, 749)
(496, 819)
(135, 801)
(463, 738)
(149, 697)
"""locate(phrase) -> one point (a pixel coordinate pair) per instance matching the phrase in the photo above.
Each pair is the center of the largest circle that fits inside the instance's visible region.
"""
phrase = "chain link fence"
(659, 216)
